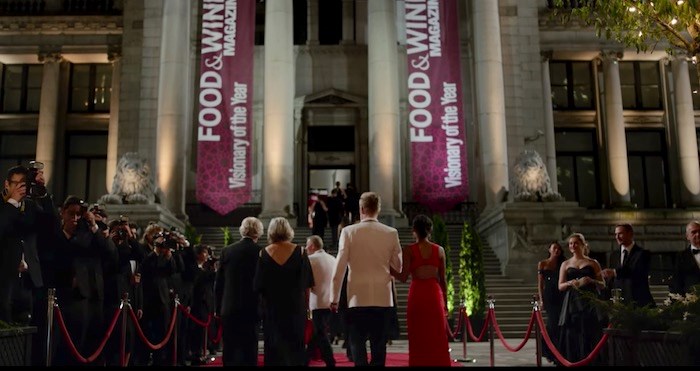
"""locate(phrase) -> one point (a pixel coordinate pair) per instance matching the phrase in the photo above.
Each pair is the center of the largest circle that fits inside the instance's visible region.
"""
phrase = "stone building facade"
(85, 82)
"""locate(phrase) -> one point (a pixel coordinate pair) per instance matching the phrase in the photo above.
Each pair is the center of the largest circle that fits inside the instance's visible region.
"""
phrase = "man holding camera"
(156, 273)
(20, 271)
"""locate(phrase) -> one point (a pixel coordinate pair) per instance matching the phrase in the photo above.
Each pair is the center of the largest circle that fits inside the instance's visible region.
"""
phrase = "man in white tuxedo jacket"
(368, 249)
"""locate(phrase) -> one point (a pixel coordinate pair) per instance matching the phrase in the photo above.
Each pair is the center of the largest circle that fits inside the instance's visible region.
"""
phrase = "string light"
(680, 2)
(674, 21)
(632, 9)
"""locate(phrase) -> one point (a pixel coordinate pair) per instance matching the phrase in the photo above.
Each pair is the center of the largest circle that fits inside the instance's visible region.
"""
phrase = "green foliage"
(227, 236)
(676, 314)
(639, 23)
(471, 272)
(441, 237)
(191, 235)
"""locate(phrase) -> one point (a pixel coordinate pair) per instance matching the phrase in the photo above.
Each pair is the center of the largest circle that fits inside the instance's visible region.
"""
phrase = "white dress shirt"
(322, 265)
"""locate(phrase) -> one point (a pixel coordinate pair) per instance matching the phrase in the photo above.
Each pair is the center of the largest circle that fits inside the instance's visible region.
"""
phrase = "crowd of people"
(299, 296)
(93, 260)
(565, 286)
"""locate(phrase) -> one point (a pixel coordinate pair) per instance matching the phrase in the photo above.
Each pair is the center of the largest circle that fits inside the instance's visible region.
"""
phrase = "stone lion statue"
(133, 183)
(530, 180)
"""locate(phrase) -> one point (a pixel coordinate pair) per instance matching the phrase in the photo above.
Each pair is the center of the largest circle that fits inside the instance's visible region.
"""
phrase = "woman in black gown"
(581, 327)
(283, 279)
(550, 296)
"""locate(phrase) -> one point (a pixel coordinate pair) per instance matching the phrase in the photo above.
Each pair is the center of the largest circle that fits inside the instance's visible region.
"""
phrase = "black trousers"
(322, 321)
(240, 337)
(368, 323)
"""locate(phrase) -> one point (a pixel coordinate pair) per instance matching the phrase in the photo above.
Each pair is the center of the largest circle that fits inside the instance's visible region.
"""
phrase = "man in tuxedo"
(369, 249)
(631, 273)
(236, 302)
(686, 268)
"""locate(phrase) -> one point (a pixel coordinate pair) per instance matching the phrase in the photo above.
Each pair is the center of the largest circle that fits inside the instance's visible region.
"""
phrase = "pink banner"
(224, 131)
(436, 127)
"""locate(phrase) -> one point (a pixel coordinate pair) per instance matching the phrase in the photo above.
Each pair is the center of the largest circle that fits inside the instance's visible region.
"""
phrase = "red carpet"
(392, 360)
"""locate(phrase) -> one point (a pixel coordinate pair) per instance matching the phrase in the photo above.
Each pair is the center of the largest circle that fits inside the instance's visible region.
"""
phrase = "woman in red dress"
(424, 262)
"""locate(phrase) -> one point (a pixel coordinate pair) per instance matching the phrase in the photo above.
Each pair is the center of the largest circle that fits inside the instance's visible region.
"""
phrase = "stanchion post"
(49, 327)
(491, 302)
(465, 334)
(174, 338)
(206, 334)
(538, 330)
(124, 307)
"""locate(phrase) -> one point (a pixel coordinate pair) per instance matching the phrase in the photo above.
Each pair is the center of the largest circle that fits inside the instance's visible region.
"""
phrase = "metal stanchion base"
(465, 360)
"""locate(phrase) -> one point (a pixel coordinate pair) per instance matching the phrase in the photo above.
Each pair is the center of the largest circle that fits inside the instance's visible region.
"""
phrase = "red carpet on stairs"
(392, 360)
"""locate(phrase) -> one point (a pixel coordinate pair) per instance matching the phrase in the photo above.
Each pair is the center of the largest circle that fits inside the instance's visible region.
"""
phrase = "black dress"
(552, 299)
(581, 325)
(282, 288)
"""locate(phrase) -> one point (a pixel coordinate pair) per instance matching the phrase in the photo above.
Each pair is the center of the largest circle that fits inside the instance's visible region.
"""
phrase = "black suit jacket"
(234, 279)
(686, 272)
(633, 275)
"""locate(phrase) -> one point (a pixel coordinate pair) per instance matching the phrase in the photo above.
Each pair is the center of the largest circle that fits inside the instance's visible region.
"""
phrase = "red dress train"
(425, 315)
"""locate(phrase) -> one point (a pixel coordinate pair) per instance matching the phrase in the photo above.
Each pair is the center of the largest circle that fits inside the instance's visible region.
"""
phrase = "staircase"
(512, 297)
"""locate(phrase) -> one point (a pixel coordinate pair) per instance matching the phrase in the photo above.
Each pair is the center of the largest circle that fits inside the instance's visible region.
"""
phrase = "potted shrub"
(441, 237)
(668, 335)
(471, 274)
(16, 344)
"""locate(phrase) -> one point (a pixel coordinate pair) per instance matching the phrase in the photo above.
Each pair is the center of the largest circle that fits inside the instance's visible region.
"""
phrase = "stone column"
(686, 137)
(383, 90)
(361, 26)
(348, 22)
(48, 113)
(311, 22)
(278, 127)
(173, 99)
(550, 144)
(615, 130)
(113, 131)
(491, 107)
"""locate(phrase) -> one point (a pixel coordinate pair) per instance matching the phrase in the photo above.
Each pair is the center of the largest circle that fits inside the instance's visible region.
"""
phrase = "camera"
(123, 224)
(35, 189)
(166, 240)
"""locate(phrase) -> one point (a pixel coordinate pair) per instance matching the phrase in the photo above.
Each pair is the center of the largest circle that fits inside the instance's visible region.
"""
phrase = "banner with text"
(436, 128)
(224, 131)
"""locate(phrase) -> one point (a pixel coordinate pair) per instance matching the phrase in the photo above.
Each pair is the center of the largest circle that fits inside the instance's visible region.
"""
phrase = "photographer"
(20, 271)
(123, 277)
(81, 252)
(202, 300)
(157, 270)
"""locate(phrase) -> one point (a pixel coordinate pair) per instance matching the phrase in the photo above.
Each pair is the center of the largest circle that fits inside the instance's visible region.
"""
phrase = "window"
(21, 88)
(694, 85)
(577, 164)
(641, 85)
(330, 22)
(301, 31)
(572, 85)
(646, 156)
(331, 138)
(90, 87)
(16, 149)
(86, 165)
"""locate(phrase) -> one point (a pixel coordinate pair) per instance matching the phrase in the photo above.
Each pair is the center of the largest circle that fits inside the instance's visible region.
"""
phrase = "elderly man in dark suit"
(236, 302)
(686, 269)
(631, 275)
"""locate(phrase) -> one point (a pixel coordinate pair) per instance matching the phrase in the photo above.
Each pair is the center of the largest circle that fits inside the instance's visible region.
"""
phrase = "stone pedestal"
(520, 232)
(143, 214)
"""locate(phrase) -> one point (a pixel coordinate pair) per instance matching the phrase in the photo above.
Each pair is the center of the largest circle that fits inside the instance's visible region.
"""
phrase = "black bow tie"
(695, 251)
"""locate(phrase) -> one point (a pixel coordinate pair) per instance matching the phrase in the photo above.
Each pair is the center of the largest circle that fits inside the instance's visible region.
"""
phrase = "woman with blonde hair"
(580, 323)
(283, 279)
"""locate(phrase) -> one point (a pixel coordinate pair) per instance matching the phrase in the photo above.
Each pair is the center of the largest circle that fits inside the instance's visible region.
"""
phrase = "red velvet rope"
(500, 334)
(470, 331)
(460, 319)
(143, 337)
(69, 340)
(564, 362)
(194, 319)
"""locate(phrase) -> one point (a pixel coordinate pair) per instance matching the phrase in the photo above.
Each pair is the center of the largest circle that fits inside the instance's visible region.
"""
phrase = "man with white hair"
(322, 265)
(236, 302)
